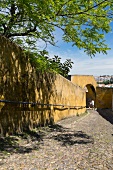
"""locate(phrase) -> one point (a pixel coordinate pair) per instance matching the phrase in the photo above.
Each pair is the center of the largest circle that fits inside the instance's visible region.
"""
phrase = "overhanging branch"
(23, 33)
(82, 12)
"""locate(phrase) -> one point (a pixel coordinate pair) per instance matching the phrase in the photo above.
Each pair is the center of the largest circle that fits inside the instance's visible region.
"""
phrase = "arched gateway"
(88, 83)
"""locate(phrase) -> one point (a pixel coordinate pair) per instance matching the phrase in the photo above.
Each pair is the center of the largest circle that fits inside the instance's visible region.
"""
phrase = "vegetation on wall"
(44, 63)
(82, 22)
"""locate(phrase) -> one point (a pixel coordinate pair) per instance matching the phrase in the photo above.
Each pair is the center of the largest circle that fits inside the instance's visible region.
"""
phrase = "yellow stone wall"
(69, 94)
(19, 81)
(88, 83)
(83, 80)
(104, 97)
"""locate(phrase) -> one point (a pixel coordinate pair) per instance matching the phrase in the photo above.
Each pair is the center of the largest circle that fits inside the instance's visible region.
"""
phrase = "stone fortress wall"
(19, 82)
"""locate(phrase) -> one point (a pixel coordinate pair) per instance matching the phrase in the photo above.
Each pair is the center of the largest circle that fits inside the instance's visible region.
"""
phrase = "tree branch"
(62, 7)
(100, 16)
(12, 12)
(82, 12)
(23, 33)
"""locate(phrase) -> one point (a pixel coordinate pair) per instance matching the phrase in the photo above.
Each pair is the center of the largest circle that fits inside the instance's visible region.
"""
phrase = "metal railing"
(33, 104)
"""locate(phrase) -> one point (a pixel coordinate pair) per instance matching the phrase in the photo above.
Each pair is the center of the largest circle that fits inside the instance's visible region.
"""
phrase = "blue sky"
(83, 64)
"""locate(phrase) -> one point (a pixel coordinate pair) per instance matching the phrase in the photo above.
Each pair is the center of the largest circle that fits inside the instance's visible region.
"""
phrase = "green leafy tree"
(83, 22)
(44, 63)
(106, 82)
(111, 80)
(61, 68)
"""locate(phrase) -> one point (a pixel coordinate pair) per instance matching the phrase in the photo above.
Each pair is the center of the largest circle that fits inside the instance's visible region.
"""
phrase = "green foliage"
(111, 80)
(83, 22)
(42, 63)
(106, 82)
(40, 60)
(59, 67)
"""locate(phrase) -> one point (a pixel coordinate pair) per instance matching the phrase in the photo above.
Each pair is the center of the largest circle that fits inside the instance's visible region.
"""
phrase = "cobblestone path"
(83, 144)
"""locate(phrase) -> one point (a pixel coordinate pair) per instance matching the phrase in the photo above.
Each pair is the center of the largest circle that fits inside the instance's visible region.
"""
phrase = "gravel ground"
(84, 143)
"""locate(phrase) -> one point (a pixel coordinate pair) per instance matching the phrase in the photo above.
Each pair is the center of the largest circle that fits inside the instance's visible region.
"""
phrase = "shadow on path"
(10, 145)
(72, 138)
(27, 141)
(57, 128)
(20, 143)
(106, 114)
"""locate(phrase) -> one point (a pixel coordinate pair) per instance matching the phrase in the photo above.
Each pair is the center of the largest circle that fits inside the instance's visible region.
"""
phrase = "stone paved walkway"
(83, 144)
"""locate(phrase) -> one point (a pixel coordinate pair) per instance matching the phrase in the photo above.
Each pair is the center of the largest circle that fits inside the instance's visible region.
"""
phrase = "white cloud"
(95, 66)
(83, 64)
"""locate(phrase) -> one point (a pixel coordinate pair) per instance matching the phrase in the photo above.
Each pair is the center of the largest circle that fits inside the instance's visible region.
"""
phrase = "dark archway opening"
(90, 94)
